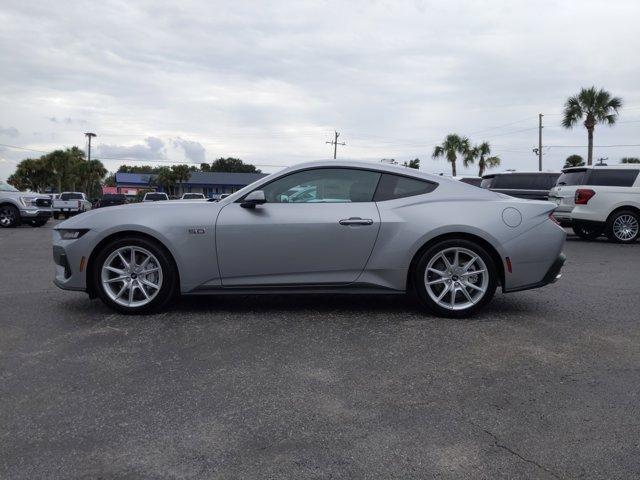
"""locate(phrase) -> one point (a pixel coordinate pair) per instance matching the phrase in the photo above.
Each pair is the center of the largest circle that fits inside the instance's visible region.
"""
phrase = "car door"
(317, 227)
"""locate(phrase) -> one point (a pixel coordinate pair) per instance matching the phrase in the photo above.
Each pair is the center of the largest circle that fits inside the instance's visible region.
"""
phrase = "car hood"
(135, 213)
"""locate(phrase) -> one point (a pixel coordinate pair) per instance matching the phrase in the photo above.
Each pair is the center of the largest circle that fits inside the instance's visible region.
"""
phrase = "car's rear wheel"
(9, 216)
(135, 275)
(623, 226)
(455, 278)
(586, 232)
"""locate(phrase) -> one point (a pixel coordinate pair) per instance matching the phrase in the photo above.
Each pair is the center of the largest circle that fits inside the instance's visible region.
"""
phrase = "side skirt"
(351, 289)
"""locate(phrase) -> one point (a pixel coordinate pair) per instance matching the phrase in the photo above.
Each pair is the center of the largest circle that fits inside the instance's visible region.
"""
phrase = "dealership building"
(211, 184)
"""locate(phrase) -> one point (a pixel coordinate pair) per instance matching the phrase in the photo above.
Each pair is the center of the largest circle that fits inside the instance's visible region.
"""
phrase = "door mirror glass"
(254, 198)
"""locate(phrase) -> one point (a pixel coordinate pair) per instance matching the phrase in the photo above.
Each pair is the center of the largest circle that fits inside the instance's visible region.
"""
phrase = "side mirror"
(254, 198)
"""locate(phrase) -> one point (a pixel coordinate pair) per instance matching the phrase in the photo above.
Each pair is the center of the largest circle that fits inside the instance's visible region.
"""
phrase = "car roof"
(377, 166)
(492, 175)
(602, 167)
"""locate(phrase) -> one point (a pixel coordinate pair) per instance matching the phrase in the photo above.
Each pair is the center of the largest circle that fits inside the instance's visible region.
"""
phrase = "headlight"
(28, 201)
(69, 234)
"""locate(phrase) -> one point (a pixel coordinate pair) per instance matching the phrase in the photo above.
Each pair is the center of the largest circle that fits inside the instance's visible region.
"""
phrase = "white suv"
(599, 200)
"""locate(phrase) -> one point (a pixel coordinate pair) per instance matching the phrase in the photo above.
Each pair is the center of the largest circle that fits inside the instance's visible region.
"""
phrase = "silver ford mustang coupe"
(321, 227)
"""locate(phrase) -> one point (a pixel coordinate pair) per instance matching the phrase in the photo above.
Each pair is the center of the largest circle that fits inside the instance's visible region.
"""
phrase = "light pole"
(89, 135)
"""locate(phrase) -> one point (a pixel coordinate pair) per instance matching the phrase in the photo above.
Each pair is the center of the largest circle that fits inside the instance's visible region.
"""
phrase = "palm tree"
(593, 107)
(481, 153)
(166, 179)
(574, 161)
(452, 146)
(182, 174)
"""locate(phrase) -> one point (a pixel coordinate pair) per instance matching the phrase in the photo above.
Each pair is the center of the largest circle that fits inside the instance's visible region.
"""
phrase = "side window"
(396, 186)
(515, 181)
(323, 185)
(612, 178)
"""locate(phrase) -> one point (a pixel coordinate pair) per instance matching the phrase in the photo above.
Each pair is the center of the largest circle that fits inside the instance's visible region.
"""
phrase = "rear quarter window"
(396, 186)
(572, 177)
(612, 178)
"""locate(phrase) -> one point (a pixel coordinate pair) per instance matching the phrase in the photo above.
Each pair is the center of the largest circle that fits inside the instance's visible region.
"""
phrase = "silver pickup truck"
(18, 207)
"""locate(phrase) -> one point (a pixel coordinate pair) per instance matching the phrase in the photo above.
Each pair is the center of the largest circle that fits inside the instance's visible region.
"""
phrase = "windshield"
(572, 177)
(5, 187)
(71, 196)
(156, 196)
(188, 196)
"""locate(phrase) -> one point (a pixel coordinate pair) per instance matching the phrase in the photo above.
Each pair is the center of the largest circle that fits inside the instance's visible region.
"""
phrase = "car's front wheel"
(455, 278)
(586, 232)
(623, 227)
(135, 275)
(9, 216)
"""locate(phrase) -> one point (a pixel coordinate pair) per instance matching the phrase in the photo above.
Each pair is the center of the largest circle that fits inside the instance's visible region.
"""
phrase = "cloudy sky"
(270, 81)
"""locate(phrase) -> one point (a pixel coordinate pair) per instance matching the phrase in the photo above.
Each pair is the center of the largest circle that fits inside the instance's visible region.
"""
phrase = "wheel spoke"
(469, 263)
(456, 257)
(148, 283)
(143, 290)
(435, 282)
(149, 270)
(133, 257)
(444, 292)
(124, 262)
(472, 272)
(471, 285)
(452, 301)
(122, 278)
(446, 260)
(466, 293)
(115, 270)
(437, 272)
(122, 290)
(132, 288)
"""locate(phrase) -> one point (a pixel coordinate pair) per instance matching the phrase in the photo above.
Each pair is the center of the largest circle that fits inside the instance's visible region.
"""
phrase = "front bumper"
(35, 213)
(552, 276)
(70, 268)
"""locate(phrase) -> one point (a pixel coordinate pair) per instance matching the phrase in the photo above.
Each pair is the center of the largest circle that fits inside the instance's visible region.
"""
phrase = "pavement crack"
(497, 443)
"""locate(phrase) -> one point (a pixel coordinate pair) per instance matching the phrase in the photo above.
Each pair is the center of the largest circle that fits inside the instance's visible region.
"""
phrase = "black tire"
(170, 283)
(9, 216)
(433, 252)
(38, 223)
(623, 226)
(586, 232)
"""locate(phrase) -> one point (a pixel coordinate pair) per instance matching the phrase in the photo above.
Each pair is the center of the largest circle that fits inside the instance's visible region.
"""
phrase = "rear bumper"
(552, 276)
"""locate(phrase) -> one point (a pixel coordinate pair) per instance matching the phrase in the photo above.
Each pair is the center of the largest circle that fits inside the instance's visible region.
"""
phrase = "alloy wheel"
(625, 227)
(7, 216)
(131, 276)
(456, 278)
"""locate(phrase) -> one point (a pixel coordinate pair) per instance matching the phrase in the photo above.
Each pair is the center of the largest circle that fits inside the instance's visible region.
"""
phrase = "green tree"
(415, 163)
(31, 174)
(166, 179)
(181, 174)
(110, 181)
(591, 106)
(630, 160)
(481, 153)
(231, 165)
(573, 161)
(90, 175)
(452, 146)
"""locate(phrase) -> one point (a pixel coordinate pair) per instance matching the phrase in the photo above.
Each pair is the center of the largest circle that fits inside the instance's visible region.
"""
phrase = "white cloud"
(269, 84)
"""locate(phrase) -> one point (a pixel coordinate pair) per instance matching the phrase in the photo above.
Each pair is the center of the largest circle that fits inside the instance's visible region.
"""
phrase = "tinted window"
(612, 178)
(71, 196)
(156, 196)
(516, 181)
(572, 177)
(472, 181)
(396, 186)
(323, 185)
(487, 182)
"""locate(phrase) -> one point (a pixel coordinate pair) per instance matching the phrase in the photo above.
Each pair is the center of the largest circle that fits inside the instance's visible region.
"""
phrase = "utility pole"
(540, 142)
(89, 135)
(335, 144)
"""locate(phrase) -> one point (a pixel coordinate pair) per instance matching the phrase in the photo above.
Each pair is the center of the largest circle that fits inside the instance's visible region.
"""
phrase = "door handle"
(356, 221)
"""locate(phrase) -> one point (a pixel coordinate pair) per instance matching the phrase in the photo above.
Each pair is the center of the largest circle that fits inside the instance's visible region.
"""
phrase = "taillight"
(583, 195)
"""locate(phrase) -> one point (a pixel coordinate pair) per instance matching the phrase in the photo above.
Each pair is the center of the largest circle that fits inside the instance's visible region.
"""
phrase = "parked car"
(528, 185)
(193, 196)
(383, 231)
(155, 197)
(475, 181)
(70, 203)
(18, 207)
(600, 200)
(111, 199)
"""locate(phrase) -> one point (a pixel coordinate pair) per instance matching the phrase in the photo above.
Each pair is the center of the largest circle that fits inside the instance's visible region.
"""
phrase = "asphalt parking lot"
(544, 384)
